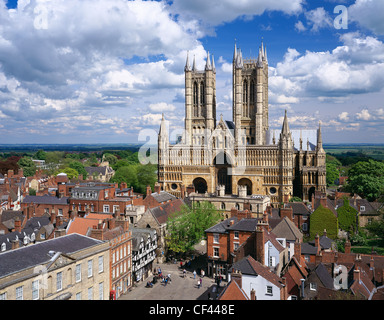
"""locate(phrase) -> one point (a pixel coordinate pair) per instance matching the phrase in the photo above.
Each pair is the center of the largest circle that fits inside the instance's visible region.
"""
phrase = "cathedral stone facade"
(243, 156)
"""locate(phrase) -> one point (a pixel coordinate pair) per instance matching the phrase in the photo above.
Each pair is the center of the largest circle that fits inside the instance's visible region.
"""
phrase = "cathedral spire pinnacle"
(213, 64)
(187, 65)
(285, 129)
(208, 63)
(259, 59)
(262, 49)
(163, 128)
(194, 63)
(235, 52)
(265, 55)
(319, 138)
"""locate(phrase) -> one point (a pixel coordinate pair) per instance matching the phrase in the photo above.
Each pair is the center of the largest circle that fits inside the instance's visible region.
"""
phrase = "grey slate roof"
(245, 267)
(37, 254)
(287, 229)
(163, 196)
(46, 199)
(299, 208)
(246, 224)
(323, 275)
(222, 226)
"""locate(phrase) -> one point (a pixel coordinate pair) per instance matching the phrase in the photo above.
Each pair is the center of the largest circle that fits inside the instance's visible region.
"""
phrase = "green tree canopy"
(333, 172)
(79, 167)
(366, 178)
(40, 155)
(71, 173)
(112, 159)
(187, 227)
(146, 175)
(29, 167)
(126, 174)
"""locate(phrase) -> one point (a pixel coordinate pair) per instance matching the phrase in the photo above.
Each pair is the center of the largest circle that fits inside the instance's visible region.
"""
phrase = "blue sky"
(102, 71)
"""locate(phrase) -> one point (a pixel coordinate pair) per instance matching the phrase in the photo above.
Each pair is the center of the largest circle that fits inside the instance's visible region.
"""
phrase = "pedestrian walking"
(184, 273)
(201, 282)
(194, 274)
(198, 284)
(202, 273)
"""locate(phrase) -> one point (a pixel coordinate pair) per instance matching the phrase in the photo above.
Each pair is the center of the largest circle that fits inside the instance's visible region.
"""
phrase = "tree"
(9, 164)
(376, 227)
(79, 167)
(187, 226)
(126, 174)
(71, 173)
(146, 175)
(40, 155)
(366, 178)
(333, 172)
(121, 163)
(112, 159)
(28, 166)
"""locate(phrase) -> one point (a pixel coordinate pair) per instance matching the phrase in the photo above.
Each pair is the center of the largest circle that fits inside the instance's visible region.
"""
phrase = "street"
(179, 288)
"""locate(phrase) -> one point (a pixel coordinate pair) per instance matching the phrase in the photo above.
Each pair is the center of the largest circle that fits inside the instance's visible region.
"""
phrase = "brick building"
(114, 230)
(46, 204)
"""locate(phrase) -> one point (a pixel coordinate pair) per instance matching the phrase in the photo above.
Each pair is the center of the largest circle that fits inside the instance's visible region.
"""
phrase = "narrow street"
(179, 288)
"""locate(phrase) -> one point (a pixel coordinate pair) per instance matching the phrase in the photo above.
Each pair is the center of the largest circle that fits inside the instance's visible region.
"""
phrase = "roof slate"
(37, 254)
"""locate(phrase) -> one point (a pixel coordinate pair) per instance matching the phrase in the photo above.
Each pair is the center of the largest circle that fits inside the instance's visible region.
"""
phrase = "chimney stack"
(237, 277)
(356, 275)
(149, 190)
(17, 224)
(253, 294)
(260, 244)
(157, 188)
(317, 243)
(286, 212)
(297, 251)
(347, 247)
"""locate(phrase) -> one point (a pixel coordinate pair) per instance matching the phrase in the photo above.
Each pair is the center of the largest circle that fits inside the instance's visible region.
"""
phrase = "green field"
(374, 151)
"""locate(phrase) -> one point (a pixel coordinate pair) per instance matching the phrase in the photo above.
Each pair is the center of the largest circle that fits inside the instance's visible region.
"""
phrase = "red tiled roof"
(233, 292)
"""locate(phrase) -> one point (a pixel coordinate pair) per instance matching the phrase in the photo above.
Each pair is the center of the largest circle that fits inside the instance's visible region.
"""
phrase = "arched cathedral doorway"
(200, 185)
(246, 182)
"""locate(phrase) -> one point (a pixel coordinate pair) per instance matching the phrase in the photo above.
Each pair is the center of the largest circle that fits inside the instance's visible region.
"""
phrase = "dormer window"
(3, 246)
(362, 208)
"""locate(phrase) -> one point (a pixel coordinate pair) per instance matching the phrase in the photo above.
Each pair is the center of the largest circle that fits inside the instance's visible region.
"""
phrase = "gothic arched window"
(202, 93)
(195, 99)
(245, 98)
(252, 95)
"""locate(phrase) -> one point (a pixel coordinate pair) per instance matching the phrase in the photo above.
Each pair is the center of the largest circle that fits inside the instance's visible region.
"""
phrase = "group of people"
(159, 275)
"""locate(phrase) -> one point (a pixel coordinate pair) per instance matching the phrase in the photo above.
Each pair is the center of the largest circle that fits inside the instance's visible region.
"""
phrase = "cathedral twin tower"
(242, 154)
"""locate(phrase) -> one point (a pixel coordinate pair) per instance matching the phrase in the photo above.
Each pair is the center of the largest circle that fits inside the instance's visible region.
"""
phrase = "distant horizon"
(107, 70)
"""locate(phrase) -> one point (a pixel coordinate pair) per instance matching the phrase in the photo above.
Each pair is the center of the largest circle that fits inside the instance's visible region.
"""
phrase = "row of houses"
(266, 258)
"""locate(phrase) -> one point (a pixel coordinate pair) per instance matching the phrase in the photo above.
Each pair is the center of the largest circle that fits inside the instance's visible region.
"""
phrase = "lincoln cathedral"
(241, 158)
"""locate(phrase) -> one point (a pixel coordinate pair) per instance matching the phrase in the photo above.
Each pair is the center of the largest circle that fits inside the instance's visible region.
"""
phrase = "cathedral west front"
(241, 157)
